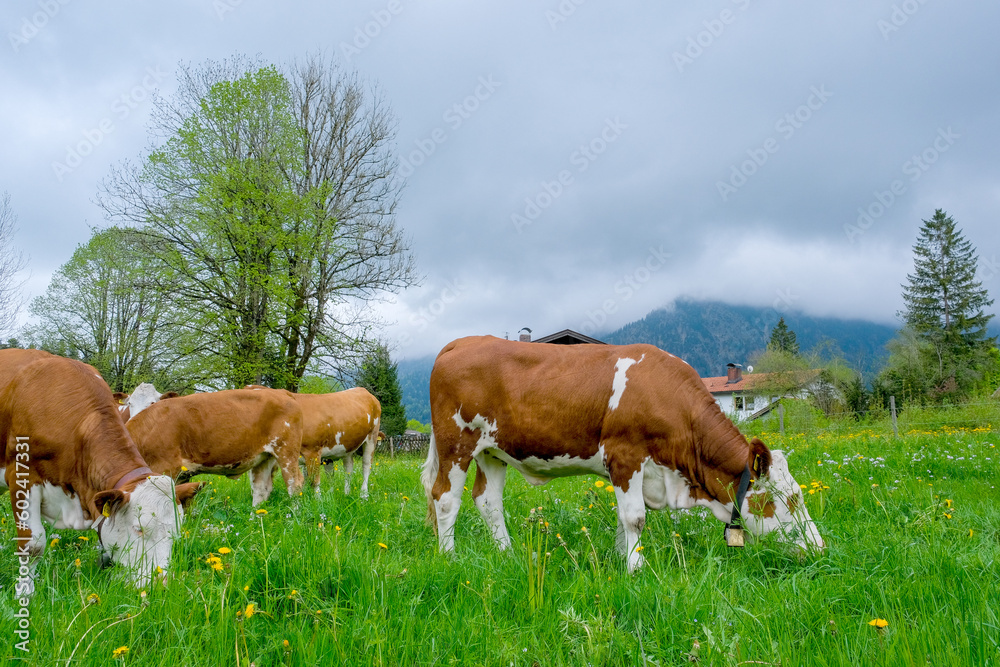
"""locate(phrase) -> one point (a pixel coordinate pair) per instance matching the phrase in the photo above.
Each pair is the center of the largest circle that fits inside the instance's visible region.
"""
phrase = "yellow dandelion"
(249, 610)
(639, 548)
(584, 529)
(970, 532)
(337, 528)
(77, 563)
(383, 545)
(802, 486)
(184, 468)
(947, 516)
(878, 623)
(93, 598)
(319, 611)
(292, 594)
(83, 538)
(947, 502)
(320, 525)
(406, 497)
(55, 541)
(610, 489)
(261, 512)
(119, 652)
(217, 567)
(246, 588)
(284, 642)
(159, 570)
(225, 550)
(599, 483)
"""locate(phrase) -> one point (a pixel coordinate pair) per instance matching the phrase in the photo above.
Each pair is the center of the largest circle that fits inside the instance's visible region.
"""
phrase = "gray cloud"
(696, 96)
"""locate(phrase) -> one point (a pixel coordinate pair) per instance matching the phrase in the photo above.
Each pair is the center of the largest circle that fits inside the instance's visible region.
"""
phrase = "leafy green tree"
(270, 208)
(379, 376)
(101, 306)
(783, 338)
(945, 308)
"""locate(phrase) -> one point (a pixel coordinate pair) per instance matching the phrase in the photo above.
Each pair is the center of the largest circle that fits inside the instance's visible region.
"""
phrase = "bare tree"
(12, 262)
(351, 252)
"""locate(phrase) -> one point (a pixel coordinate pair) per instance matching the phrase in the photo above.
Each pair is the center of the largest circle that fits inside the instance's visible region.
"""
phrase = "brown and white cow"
(338, 425)
(225, 433)
(67, 458)
(633, 414)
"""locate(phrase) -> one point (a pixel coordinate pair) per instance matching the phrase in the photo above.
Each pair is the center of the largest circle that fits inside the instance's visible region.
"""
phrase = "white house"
(734, 392)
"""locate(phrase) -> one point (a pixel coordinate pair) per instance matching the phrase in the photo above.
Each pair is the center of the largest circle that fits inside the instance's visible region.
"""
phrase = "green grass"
(338, 597)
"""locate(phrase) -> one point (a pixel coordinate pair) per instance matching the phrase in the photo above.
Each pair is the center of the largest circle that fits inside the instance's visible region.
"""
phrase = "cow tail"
(428, 476)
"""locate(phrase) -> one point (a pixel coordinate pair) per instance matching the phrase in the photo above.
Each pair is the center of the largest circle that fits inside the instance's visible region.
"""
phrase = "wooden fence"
(411, 443)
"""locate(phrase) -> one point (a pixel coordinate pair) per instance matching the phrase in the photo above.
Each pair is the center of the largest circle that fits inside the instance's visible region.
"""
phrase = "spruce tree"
(783, 338)
(945, 305)
(379, 375)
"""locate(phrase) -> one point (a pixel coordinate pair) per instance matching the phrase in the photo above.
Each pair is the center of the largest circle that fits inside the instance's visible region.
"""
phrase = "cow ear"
(169, 394)
(106, 503)
(186, 492)
(760, 458)
(120, 397)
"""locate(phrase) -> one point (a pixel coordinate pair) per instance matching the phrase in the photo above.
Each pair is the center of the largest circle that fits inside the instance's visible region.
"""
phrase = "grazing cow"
(225, 433)
(633, 414)
(337, 425)
(68, 458)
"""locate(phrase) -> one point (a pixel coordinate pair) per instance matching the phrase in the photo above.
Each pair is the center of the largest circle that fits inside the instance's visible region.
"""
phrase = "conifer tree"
(379, 375)
(945, 305)
(783, 338)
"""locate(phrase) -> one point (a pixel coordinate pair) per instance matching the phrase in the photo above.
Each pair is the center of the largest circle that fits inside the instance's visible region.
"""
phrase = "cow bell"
(734, 536)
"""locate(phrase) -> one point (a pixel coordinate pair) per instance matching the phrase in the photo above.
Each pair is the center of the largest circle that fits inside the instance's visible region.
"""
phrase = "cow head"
(138, 528)
(141, 398)
(775, 505)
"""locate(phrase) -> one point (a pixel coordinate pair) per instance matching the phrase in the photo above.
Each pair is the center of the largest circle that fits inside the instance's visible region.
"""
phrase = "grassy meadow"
(912, 526)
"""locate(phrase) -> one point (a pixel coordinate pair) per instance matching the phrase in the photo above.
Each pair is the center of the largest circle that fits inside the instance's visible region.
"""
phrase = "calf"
(226, 433)
(68, 458)
(337, 425)
(632, 414)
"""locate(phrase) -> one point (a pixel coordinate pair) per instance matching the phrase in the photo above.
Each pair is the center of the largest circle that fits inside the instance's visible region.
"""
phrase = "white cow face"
(779, 495)
(140, 399)
(140, 527)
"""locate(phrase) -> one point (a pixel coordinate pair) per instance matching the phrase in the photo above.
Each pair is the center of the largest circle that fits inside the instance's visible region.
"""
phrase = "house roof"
(719, 385)
(567, 337)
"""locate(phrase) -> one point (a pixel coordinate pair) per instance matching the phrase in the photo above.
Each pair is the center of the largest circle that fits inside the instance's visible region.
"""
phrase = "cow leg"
(313, 465)
(447, 495)
(491, 475)
(348, 471)
(291, 471)
(631, 513)
(261, 480)
(366, 460)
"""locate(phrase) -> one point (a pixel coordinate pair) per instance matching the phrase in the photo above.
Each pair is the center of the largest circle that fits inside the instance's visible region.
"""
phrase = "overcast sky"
(570, 164)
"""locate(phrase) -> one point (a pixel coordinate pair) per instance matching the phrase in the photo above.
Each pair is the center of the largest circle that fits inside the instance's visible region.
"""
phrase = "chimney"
(524, 337)
(734, 373)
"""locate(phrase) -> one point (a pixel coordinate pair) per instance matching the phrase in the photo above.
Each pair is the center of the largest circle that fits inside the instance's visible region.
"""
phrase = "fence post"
(892, 408)
(781, 419)
(392, 448)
